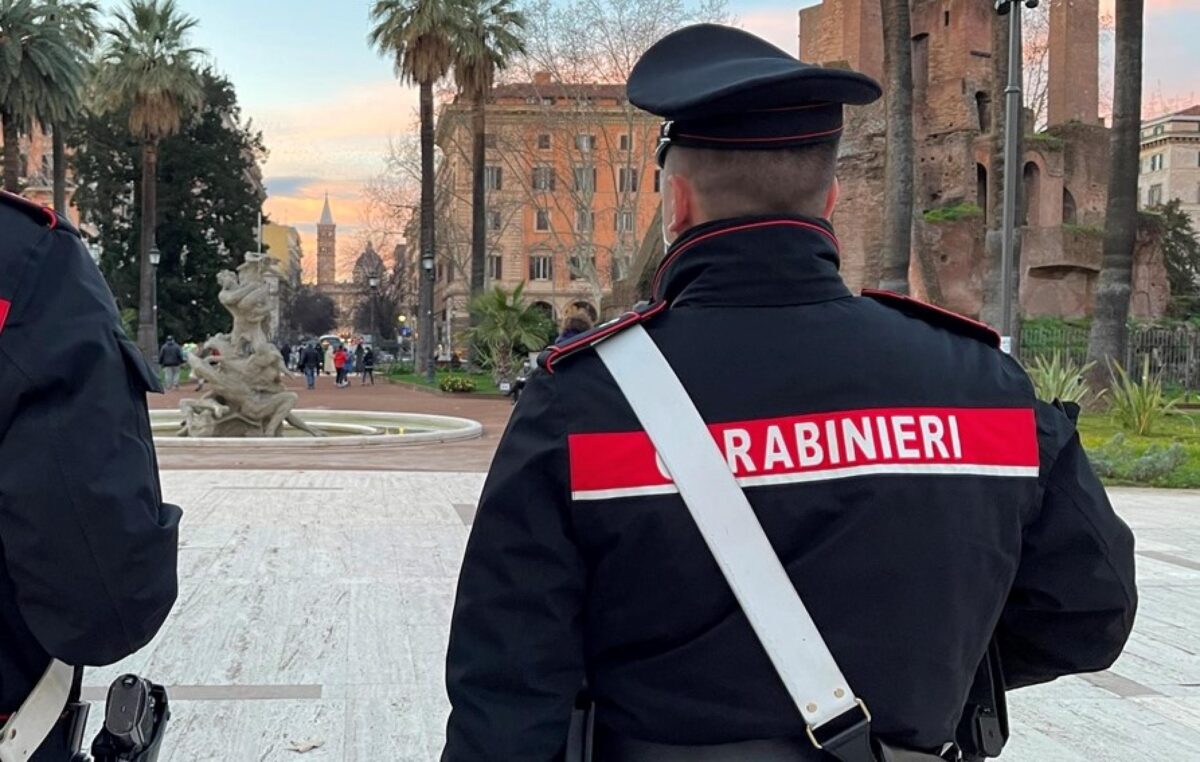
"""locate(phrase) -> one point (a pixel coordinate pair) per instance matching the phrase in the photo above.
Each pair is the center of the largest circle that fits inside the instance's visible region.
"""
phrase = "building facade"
(1170, 167)
(1064, 168)
(282, 244)
(571, 185)
(36, 171)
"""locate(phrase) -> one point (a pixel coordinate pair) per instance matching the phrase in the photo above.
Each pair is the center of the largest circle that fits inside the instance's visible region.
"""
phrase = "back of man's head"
(742, 183)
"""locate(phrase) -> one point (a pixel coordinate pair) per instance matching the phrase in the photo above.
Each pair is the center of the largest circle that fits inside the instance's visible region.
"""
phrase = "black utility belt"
(613, 748)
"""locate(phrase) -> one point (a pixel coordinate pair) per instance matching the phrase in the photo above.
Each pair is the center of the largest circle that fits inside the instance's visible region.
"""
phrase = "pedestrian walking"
(876, 482)
(339, 364)
(368, 367)
(359, 351)
(170, 357)
(310, 364)
(329, 358)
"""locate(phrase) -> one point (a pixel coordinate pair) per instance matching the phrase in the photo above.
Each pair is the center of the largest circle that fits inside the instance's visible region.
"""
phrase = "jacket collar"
(752, 261)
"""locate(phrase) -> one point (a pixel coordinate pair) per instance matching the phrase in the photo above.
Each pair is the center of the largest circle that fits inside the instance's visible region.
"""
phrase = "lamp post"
(1013, 103)
(425, 340)
(155, 258)
(373, 282)
(402, 332)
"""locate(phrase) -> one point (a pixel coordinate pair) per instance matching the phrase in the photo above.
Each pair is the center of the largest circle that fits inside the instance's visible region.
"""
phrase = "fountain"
(246, 404)
(242, 371)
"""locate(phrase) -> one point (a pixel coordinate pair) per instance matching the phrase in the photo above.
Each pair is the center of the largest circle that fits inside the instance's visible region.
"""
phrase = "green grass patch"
(1098, 430)
(1091, 231)
(953, 213)
(483, 381)
(1046, 140)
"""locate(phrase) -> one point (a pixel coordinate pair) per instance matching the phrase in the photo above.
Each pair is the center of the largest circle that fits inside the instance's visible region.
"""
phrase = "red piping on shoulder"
(893, 296)
(750, 226)
(621, 322)
(33, 204)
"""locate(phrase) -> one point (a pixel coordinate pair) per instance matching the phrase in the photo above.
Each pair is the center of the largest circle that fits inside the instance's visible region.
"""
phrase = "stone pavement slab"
(314, 607)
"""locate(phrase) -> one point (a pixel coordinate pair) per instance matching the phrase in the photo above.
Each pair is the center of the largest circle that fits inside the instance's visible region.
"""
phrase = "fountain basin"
(344, 428)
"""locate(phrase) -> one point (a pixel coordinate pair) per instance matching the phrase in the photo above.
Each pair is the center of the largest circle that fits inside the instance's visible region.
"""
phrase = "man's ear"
(682, 206)
(831, 198)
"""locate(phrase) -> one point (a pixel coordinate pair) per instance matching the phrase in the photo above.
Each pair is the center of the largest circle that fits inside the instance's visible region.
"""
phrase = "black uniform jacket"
(87, 547)
(919, 497)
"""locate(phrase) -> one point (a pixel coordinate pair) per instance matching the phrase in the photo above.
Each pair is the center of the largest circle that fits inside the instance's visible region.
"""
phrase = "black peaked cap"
(724, 88)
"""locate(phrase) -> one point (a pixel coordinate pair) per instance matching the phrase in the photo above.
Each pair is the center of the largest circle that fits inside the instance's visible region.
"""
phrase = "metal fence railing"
(1174, 352)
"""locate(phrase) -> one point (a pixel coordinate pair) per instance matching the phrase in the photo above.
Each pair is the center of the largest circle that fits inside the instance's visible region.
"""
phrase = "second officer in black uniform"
(87, 547)
(922, 501)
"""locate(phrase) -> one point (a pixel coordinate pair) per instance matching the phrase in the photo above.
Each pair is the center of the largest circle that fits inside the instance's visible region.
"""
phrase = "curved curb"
(449, 429)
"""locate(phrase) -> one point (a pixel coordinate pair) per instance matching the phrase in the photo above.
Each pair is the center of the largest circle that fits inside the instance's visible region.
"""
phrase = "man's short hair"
(773, 181)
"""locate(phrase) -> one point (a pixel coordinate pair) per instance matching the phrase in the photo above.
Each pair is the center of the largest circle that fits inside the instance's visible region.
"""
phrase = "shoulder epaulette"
(938, 316)
(42, 215)
(640, 313)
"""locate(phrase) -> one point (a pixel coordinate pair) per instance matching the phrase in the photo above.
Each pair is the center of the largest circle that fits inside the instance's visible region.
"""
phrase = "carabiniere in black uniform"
(922, 501)
(87, 547)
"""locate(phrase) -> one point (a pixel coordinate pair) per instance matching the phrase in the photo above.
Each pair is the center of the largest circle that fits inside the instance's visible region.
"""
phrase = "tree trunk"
(147, 325)
(1107, 340)
(478, 208)
(427, 343)
(898, 172)
(60, 169)
(12, 153)
(478, 199)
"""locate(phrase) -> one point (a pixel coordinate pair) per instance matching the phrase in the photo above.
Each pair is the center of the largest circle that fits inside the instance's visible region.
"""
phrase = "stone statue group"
(241, 371)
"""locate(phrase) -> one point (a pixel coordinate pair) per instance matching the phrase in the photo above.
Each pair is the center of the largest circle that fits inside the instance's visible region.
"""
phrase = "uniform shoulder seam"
(43, 215)
(547, 359)
(935, 315)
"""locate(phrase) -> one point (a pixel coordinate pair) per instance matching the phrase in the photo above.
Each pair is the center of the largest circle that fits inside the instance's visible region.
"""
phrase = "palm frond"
(147, 65)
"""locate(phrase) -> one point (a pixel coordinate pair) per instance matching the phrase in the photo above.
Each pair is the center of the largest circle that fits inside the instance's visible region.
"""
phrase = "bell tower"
(1074, 86)
(326, 247)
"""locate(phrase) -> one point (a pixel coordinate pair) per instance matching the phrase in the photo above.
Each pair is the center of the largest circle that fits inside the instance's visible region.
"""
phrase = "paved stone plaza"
(314, 607)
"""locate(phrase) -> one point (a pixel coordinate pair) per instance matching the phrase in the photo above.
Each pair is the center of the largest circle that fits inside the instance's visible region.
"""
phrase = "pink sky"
(332, 137)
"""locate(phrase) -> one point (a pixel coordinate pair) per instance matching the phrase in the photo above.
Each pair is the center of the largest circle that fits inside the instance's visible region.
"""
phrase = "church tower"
(326, 247)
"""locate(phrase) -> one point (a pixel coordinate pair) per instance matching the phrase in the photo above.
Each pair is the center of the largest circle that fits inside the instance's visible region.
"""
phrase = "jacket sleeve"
(1073, 603)
(515, 661)
(88, 544)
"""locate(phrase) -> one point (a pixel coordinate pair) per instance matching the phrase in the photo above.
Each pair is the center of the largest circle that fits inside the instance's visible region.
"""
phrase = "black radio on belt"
(134, 721)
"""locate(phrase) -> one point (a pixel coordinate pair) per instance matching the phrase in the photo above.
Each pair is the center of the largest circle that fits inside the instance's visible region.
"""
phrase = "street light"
(425, 334)
(373, 282)
(1013, 103)
(155, 258)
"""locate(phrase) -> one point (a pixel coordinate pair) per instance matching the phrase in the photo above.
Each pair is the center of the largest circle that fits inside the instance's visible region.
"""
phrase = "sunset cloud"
(328, 125)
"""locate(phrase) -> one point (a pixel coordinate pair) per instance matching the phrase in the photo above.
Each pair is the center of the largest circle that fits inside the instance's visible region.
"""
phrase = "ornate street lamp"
(373, 282)
(1013, 103)
(155, 258)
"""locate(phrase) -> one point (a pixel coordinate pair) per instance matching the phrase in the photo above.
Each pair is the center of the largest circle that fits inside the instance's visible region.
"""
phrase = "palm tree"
(1107, 340)
(41, 76)
(419, 36)
(898, 170)
(484, 45)
(506, 325)
(79, 22)
(147, 67)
